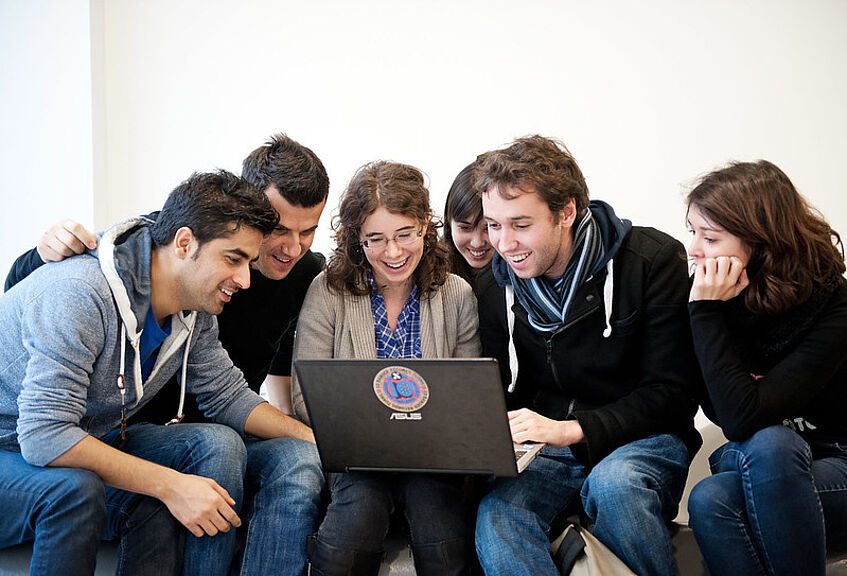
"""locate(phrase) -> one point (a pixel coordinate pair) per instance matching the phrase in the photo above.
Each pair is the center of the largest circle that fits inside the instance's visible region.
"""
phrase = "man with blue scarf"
(587, 316)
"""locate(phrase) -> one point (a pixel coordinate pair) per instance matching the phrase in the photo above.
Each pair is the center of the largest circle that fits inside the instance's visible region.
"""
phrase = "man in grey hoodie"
(85, 343)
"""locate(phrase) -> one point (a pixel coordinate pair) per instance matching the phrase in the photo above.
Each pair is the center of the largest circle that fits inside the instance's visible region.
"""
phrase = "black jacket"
(639, 381)
(763, 370)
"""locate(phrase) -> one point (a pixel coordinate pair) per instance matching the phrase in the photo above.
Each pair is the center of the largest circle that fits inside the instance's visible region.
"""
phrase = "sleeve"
(312, 265)
(467, 338)
(315, 335)
(744, 403)
(23, 267)
(222, 392)
(63, 331)
(493, 329)
(663, 400)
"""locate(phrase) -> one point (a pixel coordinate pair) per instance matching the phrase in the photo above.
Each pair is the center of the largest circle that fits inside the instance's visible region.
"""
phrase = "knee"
(778, 445)
(702, 501)
(216, 445)
(297, 465)
(615, 481)
(217, 452)
(492, 516)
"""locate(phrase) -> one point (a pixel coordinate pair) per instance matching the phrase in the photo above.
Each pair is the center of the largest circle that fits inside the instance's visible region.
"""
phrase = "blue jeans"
(351, 537)
(66, 511)
(282, 501)
(630, 496)
(772, 505)
(210, 450)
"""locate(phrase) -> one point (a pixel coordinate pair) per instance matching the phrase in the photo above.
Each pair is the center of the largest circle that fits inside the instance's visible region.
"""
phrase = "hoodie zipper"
(548, 345)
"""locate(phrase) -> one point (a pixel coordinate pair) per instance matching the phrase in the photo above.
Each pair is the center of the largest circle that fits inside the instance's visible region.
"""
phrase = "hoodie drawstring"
(608, 291)
(179, 411)
(510, 318)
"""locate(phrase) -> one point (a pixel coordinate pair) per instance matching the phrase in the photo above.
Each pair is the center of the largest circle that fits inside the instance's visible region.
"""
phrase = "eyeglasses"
(401, 239)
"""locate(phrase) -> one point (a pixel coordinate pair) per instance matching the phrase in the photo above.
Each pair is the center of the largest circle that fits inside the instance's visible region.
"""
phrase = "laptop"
(398, 415)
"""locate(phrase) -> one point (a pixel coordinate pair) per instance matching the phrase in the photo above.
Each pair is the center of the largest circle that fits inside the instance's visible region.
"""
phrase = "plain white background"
(106, 105)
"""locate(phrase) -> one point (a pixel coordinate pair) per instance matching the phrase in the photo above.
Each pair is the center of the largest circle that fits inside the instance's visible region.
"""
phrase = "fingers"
(65, 239)
(225, 516)
(220, 490)
(718, 278)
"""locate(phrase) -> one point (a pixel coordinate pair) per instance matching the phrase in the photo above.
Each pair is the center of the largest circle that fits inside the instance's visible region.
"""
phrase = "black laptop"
(446, 415)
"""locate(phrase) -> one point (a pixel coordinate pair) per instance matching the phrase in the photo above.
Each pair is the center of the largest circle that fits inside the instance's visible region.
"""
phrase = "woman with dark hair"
(768, 310)
(465, 231)
(387, 293)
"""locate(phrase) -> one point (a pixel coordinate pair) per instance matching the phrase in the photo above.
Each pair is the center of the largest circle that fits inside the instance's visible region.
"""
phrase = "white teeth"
(519, 257)
(478, 253)
(395, 266)
(283, 260)
(227, 292)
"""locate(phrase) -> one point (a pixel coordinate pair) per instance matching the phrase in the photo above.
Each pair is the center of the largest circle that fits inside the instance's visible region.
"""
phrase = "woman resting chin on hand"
(768, 309)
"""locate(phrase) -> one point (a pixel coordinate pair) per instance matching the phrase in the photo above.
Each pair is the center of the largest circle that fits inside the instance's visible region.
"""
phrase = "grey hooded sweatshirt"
(70, 328)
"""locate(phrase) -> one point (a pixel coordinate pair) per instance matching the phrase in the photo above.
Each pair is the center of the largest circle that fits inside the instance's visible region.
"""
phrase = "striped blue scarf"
(547, 301)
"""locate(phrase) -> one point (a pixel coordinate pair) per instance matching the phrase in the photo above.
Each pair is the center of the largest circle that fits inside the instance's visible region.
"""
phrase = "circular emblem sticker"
(401, 389)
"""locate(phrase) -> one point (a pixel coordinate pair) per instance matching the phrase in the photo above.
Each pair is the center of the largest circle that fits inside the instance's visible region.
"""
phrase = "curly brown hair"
(792, 247)
(545, 164)
(400, 188)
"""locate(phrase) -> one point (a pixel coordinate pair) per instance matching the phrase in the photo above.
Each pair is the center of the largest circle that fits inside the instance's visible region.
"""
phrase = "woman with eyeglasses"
(768, 310)
(387, 293)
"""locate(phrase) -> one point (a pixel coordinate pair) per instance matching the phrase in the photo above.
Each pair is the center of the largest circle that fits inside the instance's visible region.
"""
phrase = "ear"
(568, 213)
(184, 242)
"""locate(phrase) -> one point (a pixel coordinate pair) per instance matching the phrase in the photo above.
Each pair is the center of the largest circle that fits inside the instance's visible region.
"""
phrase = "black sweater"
(256, 328)
(761, 371)
(639, 381)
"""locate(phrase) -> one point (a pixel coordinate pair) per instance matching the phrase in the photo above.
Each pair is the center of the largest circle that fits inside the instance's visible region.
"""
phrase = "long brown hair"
(792, 247)
(400, 188)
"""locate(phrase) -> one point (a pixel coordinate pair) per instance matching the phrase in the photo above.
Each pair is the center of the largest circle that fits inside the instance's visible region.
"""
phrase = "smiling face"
(708, 240)
(292, 238)
(533, 240)
(217, 269)
(393, 265)
(471, 240)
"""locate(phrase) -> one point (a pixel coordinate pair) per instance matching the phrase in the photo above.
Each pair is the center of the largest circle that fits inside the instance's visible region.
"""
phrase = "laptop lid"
(444, 415)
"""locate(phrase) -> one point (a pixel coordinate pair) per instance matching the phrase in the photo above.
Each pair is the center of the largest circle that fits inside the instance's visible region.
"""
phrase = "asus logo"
(404, 416)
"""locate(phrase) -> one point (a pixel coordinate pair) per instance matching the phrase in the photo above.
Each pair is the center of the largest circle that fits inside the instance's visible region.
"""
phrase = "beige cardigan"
(333, 325)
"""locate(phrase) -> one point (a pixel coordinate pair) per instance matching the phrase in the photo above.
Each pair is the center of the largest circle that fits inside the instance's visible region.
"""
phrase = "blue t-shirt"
(151, 340)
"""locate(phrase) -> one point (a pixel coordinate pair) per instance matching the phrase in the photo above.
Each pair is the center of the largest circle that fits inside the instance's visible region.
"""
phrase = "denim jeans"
(630, 496)
(772, 505)
(66, 511)
(210, 450)
(282, 501)
(351, 537)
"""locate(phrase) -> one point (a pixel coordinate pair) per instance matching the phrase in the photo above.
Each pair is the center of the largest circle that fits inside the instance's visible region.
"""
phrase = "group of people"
(129, 371)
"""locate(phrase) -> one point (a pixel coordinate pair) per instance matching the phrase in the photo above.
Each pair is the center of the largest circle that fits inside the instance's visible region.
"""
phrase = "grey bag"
(576, 551)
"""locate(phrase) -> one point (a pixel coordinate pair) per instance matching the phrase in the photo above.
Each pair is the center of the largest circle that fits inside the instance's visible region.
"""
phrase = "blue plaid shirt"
(405, 341)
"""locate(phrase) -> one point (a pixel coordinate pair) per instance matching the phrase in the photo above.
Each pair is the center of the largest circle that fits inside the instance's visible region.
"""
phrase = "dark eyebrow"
(239, 252)
(707, 227)
(404, 228)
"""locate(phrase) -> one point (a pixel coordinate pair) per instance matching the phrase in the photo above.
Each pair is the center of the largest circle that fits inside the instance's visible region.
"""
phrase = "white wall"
(647, 95)
(45, 120)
